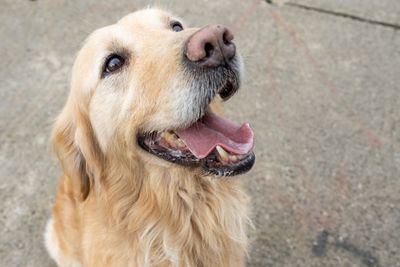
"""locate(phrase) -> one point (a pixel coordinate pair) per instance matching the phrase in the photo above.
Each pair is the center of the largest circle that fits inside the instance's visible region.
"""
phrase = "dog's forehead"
(153, 18)
(128, 28)
(124, 30)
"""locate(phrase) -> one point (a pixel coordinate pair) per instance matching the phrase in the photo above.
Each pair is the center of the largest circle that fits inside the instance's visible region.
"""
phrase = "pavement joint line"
(345, 15)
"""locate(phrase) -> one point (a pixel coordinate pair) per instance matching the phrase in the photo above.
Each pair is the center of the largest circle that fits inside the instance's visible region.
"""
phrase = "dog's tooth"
(233, 158)
(180, 143)
(223, 154)
(240, 157)
(169, 137)
(173, 140)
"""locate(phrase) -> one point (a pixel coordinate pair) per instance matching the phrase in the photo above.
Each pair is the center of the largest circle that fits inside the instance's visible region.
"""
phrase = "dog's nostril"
(225, 39)
(208, 48)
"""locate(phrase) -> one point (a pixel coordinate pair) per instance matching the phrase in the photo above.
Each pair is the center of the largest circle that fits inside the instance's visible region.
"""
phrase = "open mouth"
(215, 144)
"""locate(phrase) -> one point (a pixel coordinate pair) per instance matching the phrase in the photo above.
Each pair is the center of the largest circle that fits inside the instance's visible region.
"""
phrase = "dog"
(147, 158)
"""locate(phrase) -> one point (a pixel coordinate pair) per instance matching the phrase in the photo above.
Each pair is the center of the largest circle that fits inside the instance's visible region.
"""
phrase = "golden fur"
(117, 205)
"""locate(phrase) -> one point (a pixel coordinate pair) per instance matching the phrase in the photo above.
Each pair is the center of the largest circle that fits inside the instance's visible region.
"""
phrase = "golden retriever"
(145, 156)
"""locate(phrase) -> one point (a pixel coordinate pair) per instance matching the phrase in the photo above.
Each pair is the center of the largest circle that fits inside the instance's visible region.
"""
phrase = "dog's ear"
(77, 149)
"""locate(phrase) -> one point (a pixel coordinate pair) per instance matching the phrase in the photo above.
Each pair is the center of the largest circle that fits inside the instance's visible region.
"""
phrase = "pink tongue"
(203, 136)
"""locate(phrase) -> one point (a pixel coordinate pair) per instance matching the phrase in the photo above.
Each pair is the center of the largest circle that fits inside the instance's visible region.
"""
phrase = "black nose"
(211, 46)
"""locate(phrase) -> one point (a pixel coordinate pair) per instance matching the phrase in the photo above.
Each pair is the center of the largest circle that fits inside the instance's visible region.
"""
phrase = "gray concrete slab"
(385, 11)
(322, 94)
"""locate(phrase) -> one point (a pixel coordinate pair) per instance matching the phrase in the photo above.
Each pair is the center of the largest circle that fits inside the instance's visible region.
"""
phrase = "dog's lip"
(242, 166)
(228, 90)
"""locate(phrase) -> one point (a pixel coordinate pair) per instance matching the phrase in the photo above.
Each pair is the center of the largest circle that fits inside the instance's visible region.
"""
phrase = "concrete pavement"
(322, 93)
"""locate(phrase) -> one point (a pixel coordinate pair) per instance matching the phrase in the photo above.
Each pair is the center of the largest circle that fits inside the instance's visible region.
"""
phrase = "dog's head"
(144, 89)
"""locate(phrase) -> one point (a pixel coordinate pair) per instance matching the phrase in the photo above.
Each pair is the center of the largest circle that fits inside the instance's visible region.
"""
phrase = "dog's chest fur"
(169, 218)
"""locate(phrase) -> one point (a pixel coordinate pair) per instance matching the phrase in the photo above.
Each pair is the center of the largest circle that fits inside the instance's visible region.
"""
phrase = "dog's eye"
(113, 63)
(176, 26)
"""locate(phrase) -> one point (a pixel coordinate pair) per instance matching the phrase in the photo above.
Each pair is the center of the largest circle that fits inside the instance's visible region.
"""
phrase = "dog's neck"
(179, 214)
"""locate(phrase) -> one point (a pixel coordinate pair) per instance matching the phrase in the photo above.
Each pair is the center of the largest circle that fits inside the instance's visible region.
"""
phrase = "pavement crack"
(322, 242)
(345, 15)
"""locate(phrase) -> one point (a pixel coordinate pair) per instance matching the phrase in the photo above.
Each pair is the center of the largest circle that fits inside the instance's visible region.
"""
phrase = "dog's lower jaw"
(168, 217)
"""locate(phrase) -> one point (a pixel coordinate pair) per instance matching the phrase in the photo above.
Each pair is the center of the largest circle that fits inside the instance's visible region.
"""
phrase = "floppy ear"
(77, 149)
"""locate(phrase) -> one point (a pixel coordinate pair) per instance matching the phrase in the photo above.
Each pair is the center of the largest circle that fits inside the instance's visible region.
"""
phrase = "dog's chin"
(212, 143)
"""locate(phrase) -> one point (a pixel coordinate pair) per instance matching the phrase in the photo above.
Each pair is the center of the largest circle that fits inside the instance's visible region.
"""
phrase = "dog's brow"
(166, 19)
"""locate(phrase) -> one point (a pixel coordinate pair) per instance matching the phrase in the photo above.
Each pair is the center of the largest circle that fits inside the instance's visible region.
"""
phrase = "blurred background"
(322, 93)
